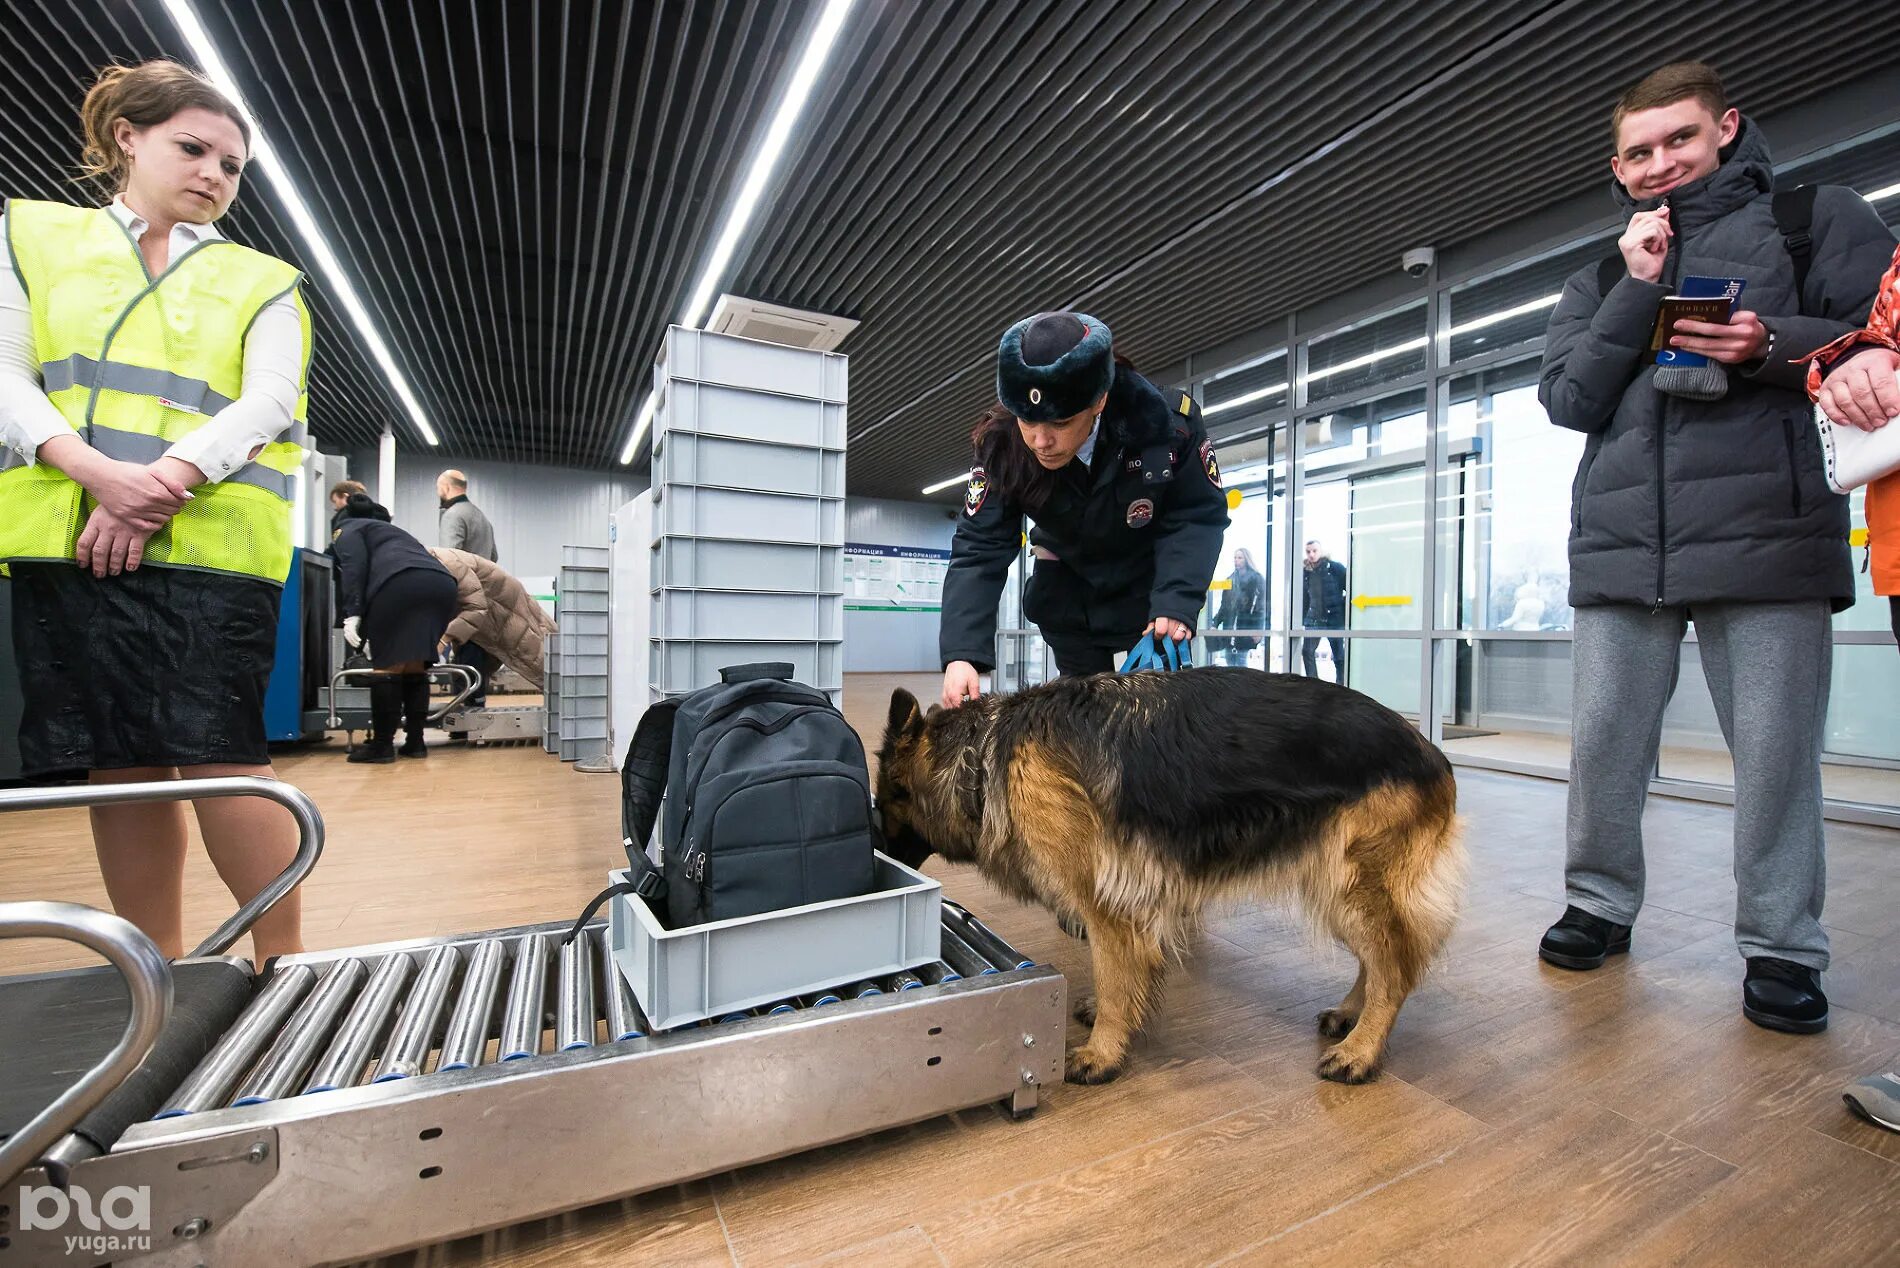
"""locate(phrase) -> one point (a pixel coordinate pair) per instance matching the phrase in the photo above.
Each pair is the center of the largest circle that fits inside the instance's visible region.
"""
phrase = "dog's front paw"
(1336, 1024)
(1341, 1065)
(1085, 1010)
(1085, 1066)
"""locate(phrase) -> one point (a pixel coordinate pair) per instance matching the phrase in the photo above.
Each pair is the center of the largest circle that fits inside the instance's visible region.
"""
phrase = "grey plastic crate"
(699, 563)
(582, 685)
(569, 601)
(684, 510)
(586, 557)
(688, 666)
(764, 367)
(721, 462)
(593, 663)
(708, 409)
(702, 615)
(583, 581)
(686, 975)
(582, 623)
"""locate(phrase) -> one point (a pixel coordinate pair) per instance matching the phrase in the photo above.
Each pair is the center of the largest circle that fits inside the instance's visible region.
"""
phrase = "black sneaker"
(375, 752)
(1783, 995)
(413, 747)
(1582, 941)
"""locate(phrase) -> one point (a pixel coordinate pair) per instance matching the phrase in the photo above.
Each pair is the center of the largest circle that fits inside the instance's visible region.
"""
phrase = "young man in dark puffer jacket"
(1700, 497)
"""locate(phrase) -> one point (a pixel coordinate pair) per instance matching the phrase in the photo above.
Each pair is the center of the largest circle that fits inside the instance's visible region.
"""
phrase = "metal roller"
(779, 1009)
(962, 957)
(466, 1041)
(210, 1084)
(283, 1068)
(985, 942)
(820, 999)
(905, 982)
(864, 990)
(527, 999)
(409, 1043)
(574, 1018)
(939, 973)
(342, 1065)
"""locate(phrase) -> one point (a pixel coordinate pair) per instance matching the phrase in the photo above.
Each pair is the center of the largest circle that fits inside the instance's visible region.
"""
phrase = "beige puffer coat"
(496, 613)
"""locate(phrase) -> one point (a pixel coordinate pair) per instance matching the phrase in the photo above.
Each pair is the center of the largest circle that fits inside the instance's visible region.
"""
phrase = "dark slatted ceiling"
(522, 193)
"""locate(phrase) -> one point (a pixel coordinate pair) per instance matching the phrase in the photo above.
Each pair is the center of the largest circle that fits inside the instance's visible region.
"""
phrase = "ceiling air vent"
(775, 323)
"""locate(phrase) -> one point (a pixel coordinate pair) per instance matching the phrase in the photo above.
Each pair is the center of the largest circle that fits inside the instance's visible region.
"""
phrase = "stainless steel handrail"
(302, 809)
(468, 672)
(148, 980)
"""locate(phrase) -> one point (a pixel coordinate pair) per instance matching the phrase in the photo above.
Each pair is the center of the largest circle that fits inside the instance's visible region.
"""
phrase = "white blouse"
(273, 362)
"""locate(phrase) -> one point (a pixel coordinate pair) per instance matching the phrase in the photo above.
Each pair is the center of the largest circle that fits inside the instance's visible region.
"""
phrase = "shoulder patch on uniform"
(1140, 512)
(979, 488)
(1187, 403)
(1209, 464)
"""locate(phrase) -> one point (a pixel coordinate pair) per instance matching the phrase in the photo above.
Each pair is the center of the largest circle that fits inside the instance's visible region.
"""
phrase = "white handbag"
(1854, 457)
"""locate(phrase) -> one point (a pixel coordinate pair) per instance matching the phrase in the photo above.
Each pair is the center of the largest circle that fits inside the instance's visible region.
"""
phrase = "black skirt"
(156, 667)
(408, 615)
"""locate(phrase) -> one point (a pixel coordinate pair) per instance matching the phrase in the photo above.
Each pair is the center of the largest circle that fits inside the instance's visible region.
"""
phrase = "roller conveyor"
(376, 1098)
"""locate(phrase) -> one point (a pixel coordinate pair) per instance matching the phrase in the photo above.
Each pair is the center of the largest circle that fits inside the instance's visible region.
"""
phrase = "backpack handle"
(758, 670)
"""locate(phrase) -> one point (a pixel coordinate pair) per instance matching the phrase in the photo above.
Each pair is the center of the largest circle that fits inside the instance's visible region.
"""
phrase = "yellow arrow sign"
(1364, 601)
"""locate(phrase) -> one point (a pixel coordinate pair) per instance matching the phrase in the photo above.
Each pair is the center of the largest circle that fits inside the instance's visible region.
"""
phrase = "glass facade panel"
(1366, 355)
(1504, 506)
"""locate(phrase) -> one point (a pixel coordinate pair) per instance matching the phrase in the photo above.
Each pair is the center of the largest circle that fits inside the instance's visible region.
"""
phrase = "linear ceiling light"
(959, 478)
(1880, 194)
(791, 105)
(263, 155)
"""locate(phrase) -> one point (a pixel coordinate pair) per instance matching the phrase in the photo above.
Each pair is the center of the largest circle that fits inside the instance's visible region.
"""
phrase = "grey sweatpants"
(1767, 666)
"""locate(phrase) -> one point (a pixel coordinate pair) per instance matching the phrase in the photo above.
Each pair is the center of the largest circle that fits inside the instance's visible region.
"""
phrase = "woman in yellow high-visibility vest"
(152, 378)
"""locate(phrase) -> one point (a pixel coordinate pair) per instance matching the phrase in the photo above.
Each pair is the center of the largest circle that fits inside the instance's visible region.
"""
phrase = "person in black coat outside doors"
(1119, 479)
(1323, 607)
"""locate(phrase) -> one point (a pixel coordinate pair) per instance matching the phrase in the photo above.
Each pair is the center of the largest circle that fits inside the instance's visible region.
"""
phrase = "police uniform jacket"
(1136, 533)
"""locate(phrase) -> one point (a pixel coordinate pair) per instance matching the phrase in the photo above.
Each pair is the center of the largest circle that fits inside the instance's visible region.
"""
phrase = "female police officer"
(1120, 481)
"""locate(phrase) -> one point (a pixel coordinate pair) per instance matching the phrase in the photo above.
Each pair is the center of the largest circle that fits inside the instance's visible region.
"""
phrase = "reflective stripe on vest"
(132, 446)
(79, 370)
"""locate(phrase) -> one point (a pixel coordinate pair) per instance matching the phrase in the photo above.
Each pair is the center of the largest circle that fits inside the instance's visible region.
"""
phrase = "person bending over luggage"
(496, 613)
(397, 600)
(1120, 479)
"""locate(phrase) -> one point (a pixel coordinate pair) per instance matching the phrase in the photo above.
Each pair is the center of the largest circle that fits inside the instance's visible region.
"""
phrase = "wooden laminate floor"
(1629, 1115)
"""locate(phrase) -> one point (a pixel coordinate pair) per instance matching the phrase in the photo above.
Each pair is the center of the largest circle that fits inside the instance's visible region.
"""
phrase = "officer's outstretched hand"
(1167, 628)
(960, 683)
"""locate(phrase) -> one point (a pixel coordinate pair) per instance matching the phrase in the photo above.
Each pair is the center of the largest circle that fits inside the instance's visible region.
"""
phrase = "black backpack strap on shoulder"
(1609, 273)
(778, 669)
(643, 779)
(1794, 216)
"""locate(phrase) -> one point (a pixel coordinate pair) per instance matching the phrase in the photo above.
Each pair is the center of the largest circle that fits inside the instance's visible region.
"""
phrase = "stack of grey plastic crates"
(577, 656)
(748, 511)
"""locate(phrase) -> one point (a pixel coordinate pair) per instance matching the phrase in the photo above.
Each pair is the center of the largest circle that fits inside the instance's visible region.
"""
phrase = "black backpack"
(768, 805)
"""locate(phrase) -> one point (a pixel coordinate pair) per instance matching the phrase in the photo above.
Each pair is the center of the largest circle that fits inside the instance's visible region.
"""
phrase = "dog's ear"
(906, 720)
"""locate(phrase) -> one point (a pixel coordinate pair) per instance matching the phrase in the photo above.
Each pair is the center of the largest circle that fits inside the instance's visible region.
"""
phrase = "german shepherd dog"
(1129, 802)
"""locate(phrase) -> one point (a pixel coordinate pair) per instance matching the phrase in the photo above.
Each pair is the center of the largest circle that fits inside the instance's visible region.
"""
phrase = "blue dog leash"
(1144, 655)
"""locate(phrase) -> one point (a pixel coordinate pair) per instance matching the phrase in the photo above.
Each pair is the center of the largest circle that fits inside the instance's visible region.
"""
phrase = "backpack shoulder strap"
(643, 780)
(1609, 273)
(1794, 216)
